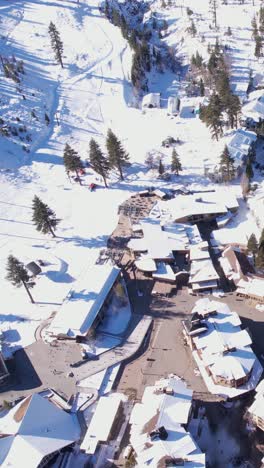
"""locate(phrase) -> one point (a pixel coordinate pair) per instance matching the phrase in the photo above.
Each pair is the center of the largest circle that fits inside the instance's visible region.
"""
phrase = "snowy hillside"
(90, 94)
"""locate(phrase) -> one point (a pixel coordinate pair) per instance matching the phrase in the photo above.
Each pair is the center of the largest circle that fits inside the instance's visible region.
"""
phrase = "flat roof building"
(196, 207)
(80, 311)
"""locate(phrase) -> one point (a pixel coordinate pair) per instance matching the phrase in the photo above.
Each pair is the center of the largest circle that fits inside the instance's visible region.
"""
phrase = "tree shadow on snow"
(92, 242)
(58, 277)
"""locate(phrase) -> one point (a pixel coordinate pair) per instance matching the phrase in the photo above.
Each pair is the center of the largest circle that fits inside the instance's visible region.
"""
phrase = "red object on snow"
(92, 187)
(81, 171)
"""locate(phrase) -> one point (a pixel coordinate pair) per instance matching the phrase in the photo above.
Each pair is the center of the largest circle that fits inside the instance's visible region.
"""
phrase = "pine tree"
(107, 9)
(201, 86)
(252, 154)
(212, 62)
(260, 254)
(198, 60)
(252, 244)
(249, 170)
(258, 46)
(161, 168)
(47, 119)
(192, 29)
(261, 20)
(98, 162)
(43, 217)
(212, 116)
(72, 161)
(150, 161)
(222, 85)
(227, 168)
(18, 275)
(233, 109)
(56, 43)
(117, 155)
(175, 162)
(254, 28)
(213, 6)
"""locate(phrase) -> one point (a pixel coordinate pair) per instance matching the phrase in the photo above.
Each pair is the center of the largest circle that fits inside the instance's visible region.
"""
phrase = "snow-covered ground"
(90, 94)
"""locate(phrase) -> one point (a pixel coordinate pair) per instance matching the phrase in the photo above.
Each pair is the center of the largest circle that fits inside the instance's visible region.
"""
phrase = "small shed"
(173, 105)
(151, 100)
(33, 268)
(160, 194)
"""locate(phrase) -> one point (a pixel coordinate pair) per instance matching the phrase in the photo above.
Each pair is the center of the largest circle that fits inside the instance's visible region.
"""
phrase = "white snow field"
(89, 95)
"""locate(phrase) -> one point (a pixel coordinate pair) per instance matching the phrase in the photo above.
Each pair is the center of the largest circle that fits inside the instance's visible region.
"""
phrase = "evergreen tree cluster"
(227, 168)
(258, 32)
(192, 29)
(222, 100)
(139, 34)
(12, 68)
(260, 253)
(116, 159)
(257, 249)
(197, 60)
(45, 221)
(211, 115)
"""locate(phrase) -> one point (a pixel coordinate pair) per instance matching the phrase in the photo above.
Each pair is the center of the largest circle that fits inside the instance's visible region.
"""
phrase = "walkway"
(118, 354)
(43, 365)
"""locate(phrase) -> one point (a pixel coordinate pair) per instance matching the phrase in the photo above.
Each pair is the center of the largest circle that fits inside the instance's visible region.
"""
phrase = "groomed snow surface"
(90, 94)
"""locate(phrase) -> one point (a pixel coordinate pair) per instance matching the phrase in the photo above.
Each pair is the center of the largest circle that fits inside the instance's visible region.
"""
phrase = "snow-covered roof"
(198, 253)
(156, 240)
(201, 203)
(203, 271)
(102, 422)
(257, 407)
(160, 193)
(138, 245)
(146, 264)
(255, 109)
(172, 104)
(177, 236)
(151, 100)
(240, 143)
(224, 347)
(80, 309)
(35, 428)
(229, 236)
(171, 411)
(230, 264)
(251, 287)
(257, 206)
(164, 272)
(160, 240)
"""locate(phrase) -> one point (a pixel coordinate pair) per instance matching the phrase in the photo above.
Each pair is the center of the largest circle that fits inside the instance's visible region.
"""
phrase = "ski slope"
(89, 95)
